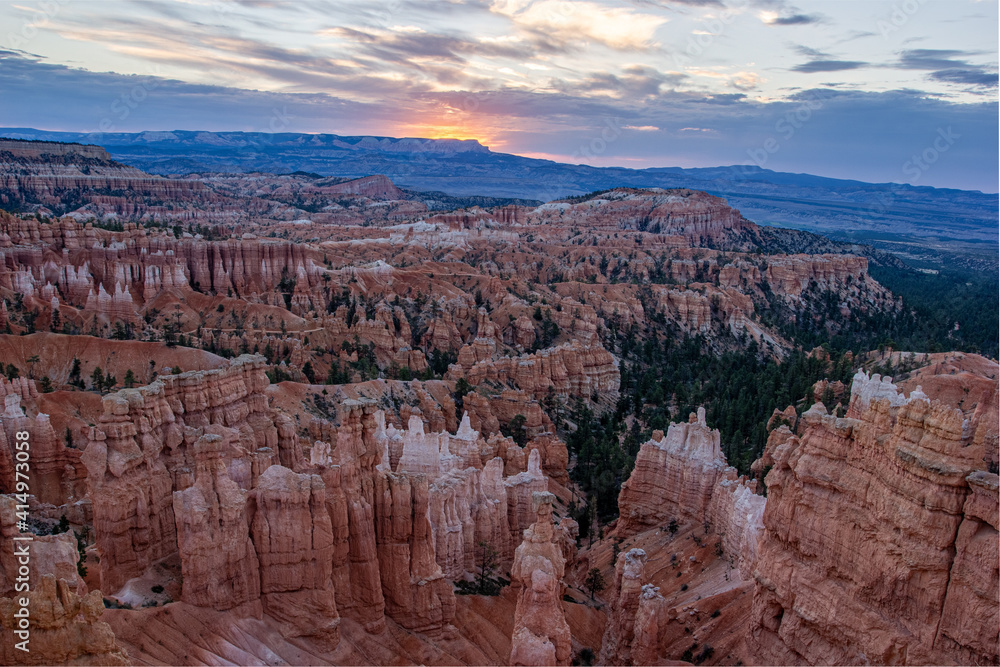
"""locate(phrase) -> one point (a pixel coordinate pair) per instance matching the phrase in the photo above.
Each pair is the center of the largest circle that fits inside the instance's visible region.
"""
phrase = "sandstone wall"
(625, 594)
(66, 628)
(293, 538)
(144, 448)
(673, 477)
(877, 546)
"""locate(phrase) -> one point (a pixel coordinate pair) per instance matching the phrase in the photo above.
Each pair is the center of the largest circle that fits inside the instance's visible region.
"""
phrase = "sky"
(885, 91)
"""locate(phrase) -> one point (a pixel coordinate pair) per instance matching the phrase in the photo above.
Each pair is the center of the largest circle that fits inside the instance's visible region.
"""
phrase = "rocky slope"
(799, 201)
(688, 530)
(541, 633)
(70, 177)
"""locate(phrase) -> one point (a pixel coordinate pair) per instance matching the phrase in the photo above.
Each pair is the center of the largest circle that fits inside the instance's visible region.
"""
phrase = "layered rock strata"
(219, 563)
(145, 447)
(541, 634)
(572, 368)
(625, 594)
(65, 628)
(880, 537)
(736, 514)
(417, 595)
(674, 477)
(293, 537)
(480, 491)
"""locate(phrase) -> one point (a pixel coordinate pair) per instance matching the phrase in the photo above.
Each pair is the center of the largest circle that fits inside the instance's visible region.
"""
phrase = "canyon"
(369, 529)
(292, 419)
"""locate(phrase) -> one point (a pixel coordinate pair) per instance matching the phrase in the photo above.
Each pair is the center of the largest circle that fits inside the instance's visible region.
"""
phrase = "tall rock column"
(649, 617)
(521, 489)
(293, 537)
(417, 596)
(541, 633)
(970, 616)
(130, 489)
(218, 561)
(350, 502)
(616, 647)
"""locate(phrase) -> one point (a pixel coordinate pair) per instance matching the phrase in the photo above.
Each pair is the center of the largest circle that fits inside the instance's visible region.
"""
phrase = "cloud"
(810, 52)
(668, 4)
(828, 66)
(558, 25)
(39, 94)
(930, 59)
(745, 80)
(392, 68)
(635, 83)
(946, 65)
(972, 77)
(795, 19)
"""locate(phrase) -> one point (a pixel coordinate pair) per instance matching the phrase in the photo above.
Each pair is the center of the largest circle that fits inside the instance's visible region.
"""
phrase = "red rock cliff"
(880, 540)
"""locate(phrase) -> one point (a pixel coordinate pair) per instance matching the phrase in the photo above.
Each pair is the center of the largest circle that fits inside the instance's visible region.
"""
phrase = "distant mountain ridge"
(254, 139)
(917, 219)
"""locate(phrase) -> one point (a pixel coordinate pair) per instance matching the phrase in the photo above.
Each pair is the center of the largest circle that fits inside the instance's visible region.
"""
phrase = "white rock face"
(737, 514)
(12, 406)
(470, 502)
(866, 389)
(421, 451)
(693, 440)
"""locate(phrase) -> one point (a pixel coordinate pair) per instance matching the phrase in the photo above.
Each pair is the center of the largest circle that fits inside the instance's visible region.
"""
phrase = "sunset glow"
(532, 76)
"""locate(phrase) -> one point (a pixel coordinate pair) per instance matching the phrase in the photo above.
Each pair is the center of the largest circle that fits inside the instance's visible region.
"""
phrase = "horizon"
(490, 149)
(856, 91)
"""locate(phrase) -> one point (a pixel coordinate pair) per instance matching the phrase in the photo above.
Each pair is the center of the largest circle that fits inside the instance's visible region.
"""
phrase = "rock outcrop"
(685, 217)
(736, 513)
(649, 617)
(521, 491)
(293, 539)
(145, 447)
(351, 504)
(673, 478)
(480, 491)
(541, 634)
(970, 616)
(573, 368)
(616, 647)
(680, 481)
(417, 595)
(36, 173)
(880, 538)
(65, 628)
(219, 563)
